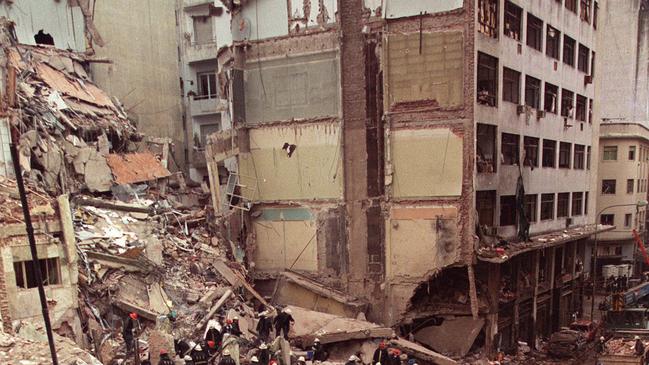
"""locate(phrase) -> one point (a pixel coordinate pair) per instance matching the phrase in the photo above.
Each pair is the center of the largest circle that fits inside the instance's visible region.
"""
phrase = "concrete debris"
(454, 336)
(136, 167)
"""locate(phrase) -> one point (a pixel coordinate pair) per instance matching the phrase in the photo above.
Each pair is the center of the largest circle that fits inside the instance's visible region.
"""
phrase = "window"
(584, 10)
(513, 20)
(595, 9)
(547, 206)
(487, 79)
(583, 58)
(206, 85)
(588, 158)
(564, 155)
(509, 149)
(551, 97)
(531, 146)
(530, 207)
(507, 210)
(627, 220)
(549, 152)
(207, 129)
(488, 17)
(203, 32)
(629, 186)
(486, 207)
(534, 32)
(571, 5)
(631, 153)
(486, 149)
(610, 153)
(567, 97)
(563, 201)
(511, 86)
(580, 151)
(590, 111)
(607, 219)
(608, 186)
(577, 202)
(568, 51)
(592, 64)
(580, 111)
(552, 41)
(586, 202)
(532, 92)
(639, 185)
(26, 273)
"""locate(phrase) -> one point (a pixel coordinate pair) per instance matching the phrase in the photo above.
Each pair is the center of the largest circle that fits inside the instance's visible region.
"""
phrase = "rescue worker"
(236, 330)
(353, 360)
(164, 358)
(600, 345)
(226, 359)
(264, 354)
(301, 360)
(213, 332)
(131, 328)
(229, 327)
(283, 323)
(394, 357)
(380, 354)
(211, 348)
(200, 357)
(264, 326)
(319, 353)
(254, 360)
(639, 346)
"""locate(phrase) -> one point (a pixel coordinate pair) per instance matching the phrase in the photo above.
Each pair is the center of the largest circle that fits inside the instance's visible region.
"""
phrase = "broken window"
(534, 32)
(577, 203)
(629, 186)
(568, 51)
(586, 202)
(571, 5)
(25, 271)
(531, 146)
(43, 38)
(588, 158)
(567, 98)
(487, 79)
(509, 149)
(583, 58)
(631, 153)
(610, 153)
(486, 148)
(549, 153)
(551, 98)
(511, 85)
(507, 210)
(563, 201)
(584, 10)
(488, 17)
(608, 186)
(486, 206)
(607, 219)
(553, 38)
(580, 112)
(206, 85)
(580, 152)
(513, 20)
(595, 9)
(564, 155)
(530, 207)
(532, 92)
(547, 206)
(203, 30)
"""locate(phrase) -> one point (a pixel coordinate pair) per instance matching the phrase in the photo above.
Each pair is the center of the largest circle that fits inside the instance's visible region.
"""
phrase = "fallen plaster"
(454, 336)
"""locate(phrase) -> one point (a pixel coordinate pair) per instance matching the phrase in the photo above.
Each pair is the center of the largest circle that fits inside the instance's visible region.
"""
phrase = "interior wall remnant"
(314, 171)
(332, 240)
(400, 9)
(375, 130)
(260, 19)
(439, 174)
(424, 69)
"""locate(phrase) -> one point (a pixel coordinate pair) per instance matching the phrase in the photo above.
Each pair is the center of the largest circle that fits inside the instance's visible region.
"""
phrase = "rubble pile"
(621, 346)
(39, 201)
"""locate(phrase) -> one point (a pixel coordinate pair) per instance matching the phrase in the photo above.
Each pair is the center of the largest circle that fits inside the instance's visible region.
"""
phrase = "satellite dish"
(244, 28)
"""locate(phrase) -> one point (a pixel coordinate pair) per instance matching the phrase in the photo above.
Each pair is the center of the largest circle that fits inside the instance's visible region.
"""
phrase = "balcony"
(201, 51)
(206, 105)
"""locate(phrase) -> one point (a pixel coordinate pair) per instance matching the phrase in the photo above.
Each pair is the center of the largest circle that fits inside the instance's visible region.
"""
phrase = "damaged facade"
(378, 147)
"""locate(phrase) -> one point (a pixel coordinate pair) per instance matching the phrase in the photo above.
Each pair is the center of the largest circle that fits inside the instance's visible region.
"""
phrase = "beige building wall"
(141, 42)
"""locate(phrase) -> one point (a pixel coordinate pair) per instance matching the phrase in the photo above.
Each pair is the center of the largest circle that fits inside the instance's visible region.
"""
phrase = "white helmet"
(187, 358)
(287, 310)
(602, 338)
(226, 352)
(301, 358)
(354, 358)
(236, 318)
(254, 359)
(316, 340)
(263, 346)
(636, 338)
(198, 348)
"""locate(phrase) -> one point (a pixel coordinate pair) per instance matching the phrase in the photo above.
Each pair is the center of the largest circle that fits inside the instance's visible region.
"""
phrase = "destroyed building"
(432, 158)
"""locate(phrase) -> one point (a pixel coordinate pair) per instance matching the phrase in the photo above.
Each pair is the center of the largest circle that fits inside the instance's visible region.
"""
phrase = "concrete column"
(535, 284)
(493, 289)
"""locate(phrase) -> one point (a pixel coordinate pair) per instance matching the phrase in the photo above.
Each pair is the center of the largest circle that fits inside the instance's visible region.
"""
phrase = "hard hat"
(316, 340)
(301, 358)
(198, 348)
(163, 351)
(263, 346)
(211, 343)
(382, 345)
(187, 358)
(602, 338)
(378, 363)
(288, 310)
(235, 318)
(636, 338)
(254, 359)
(133, 315)
(226, 352)
(262, 314)
(192, 344)
(228, 321)
(354, 358)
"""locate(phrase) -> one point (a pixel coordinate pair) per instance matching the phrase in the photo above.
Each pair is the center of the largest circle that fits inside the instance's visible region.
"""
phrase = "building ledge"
(499, 255)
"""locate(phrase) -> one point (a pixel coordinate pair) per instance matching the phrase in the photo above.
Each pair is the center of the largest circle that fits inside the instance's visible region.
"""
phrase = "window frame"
(511, 85)
(604, 219)
(550, 148)
(510, 210)
(531, 207)
(552, 43)
(631, 153)
(609, 153)
(488, 14)
(534, 32)
(583, 58)
(581, 104)
(579, 157)
(569, 50)
(531, 146)
(609, 187)
(487, 73)
(567, 103)
(547, 202)
(563, 205)
(565, 155)
(513, 12)
(577, 203)
(511, 145)
(630, 186)
(550, 91)
(211, 78)
(532, 92)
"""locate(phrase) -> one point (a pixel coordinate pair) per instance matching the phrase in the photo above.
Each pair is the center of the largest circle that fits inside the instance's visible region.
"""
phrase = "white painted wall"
(401, 8)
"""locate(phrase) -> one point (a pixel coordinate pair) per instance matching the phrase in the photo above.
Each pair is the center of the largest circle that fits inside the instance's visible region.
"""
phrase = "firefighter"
(164, 358)
(283, 323)
(226, 359)
(380, 354)
(264, 326)
(131, 328)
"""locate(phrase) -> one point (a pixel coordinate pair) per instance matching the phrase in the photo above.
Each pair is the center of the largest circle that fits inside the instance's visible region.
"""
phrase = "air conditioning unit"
(520, 109)
(540, 114)
(588, 79)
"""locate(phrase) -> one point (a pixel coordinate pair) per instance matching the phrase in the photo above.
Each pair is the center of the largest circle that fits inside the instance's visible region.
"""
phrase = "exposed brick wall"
(4, 301)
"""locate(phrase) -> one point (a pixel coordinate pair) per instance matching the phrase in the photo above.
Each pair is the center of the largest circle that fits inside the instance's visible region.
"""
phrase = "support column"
(491, 325)
(535, 285)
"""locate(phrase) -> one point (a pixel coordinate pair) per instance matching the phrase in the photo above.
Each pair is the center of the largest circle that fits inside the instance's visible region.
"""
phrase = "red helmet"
(211, 343)
(163, 351)
(382, 345)
(133, 315)
(228, 321)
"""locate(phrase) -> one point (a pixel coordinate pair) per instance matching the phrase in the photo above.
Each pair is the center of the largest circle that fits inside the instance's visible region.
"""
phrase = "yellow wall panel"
(279, 243)
(426, 163)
